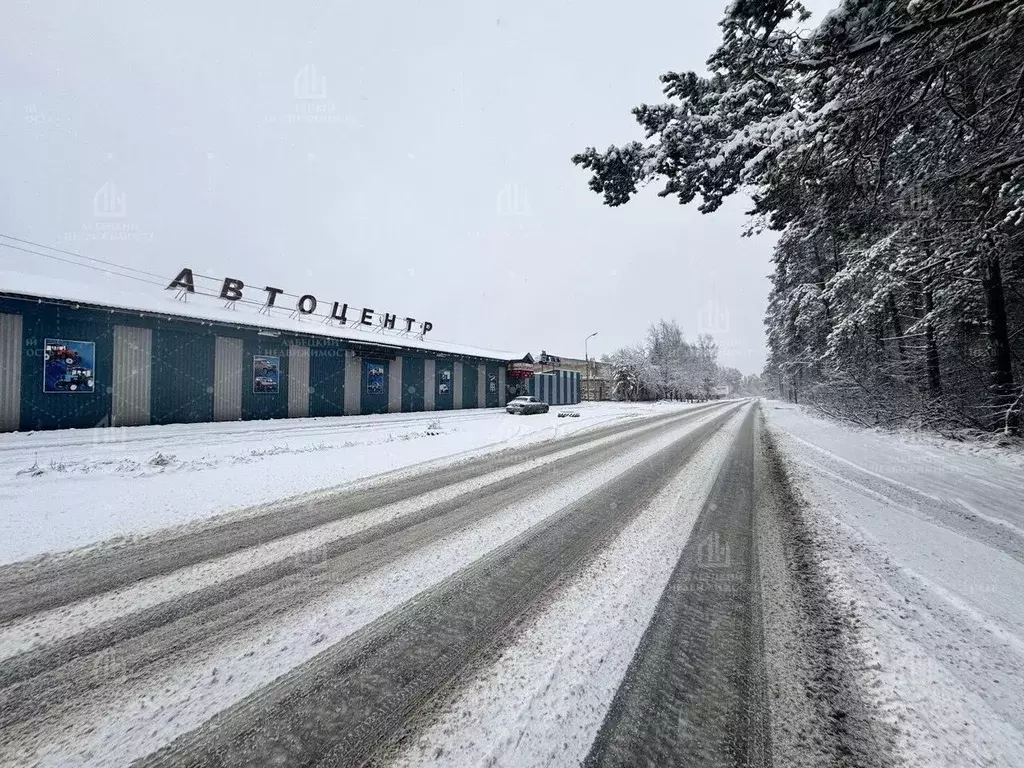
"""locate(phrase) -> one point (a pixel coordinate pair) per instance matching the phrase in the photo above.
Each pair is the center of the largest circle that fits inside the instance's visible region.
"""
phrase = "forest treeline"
(886, 147)
(665, 366)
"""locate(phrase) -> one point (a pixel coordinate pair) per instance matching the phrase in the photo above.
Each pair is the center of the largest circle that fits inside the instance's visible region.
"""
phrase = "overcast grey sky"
(411, 157)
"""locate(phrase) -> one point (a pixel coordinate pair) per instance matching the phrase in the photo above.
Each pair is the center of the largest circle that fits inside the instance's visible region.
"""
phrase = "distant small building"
(595, 378)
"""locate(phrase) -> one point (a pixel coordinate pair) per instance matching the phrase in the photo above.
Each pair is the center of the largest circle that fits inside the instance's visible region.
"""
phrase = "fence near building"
(557, 387)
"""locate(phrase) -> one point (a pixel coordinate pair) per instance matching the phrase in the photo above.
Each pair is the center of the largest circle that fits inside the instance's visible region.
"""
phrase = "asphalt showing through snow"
(690, 697)
(696, 692)
(154, 637)
(366, 688)
(28, 589)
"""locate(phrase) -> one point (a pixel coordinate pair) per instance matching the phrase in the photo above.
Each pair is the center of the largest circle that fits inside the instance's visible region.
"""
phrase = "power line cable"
(80, 256)
(79, 264)
(161, 278)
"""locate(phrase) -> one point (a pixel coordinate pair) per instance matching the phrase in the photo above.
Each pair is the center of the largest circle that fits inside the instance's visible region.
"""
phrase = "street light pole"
(586, 360)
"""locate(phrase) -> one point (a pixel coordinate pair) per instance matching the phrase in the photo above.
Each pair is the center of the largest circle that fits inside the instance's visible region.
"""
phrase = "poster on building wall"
(266, 374)
(492, 382)
(68, 366)
(374, 379)
(444, 386)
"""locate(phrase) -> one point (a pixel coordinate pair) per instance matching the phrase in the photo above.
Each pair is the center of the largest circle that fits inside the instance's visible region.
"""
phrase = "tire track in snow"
(103, 616)
(201, 679)
(37, 680)
(704, 686)
(542, 701)
(950, 513)
(687, 696)
(29, 588)
(366, 687)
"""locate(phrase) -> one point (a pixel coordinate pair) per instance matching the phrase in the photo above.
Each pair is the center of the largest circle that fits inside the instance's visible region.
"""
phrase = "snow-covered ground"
(65, 489)
(127, 723)
(925, 545)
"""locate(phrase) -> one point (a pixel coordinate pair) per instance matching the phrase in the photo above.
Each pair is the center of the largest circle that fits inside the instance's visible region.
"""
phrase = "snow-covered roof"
(119, 293)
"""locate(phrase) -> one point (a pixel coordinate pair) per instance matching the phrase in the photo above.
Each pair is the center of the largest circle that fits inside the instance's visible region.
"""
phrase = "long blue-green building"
(73, 364)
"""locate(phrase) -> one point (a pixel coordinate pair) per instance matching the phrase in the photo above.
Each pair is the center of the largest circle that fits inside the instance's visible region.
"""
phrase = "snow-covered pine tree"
(887, 145)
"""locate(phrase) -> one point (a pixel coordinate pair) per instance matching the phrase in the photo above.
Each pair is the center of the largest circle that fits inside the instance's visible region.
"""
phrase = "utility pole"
(586, 361)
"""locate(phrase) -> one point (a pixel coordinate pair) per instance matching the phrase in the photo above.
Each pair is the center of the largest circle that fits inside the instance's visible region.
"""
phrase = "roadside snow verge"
(920, 546)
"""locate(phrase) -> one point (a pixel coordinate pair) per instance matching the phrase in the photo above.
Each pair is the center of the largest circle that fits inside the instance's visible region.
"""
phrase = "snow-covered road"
(111, 654)
(644, 585)
(924, 544)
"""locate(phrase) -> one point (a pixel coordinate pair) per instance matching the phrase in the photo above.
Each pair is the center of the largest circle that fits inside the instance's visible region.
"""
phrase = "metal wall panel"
(353, 369)
(373, 402)
(469, 385)
(501, 386)
(227, 379)
(133, 376)
(491, 396)
(10, 372)
(457, 386)
(395, 386)
(298, 381)
(181, 388)
(264, 404)
(481, 386)
(429, 384)
(327, 380)
(413, 381)
(65, 410)
(444, 390)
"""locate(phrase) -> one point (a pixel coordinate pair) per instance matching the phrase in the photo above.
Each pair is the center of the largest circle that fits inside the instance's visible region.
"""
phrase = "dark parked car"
(264, 384)
(264, 367)
(526, 404)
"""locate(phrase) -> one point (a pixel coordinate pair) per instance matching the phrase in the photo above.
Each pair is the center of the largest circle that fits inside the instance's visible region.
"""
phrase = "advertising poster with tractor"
(68, 366)
(266, 374)
(374, 379)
